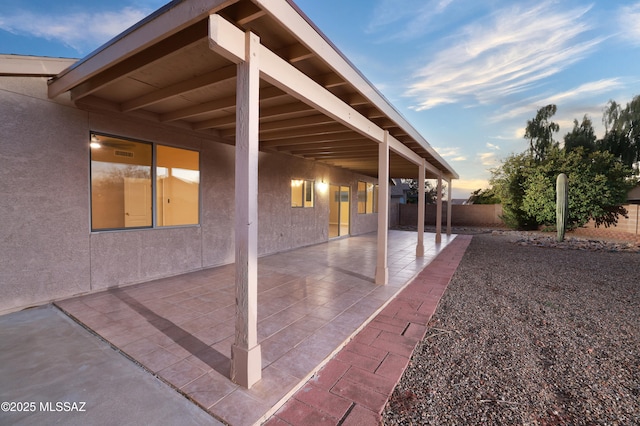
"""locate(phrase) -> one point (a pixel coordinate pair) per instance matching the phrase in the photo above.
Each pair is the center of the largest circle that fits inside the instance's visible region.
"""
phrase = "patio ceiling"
(163, 70)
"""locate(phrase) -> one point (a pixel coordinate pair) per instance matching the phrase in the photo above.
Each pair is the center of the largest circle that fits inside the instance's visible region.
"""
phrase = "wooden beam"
(302, 122)
(247, 12)
(373, 113)
(228, 121)
(336, 148)
(208, 79)
(330, 80)
(358, 156)
(287, 15)
(295, 53)
(284, 110)
(342, 136)
(216, 105)
(324, 146)
(93, 103)
(169, 20)
(265, 114)
(298, 133)
(144, 58)
(356, 99)
(224, 38)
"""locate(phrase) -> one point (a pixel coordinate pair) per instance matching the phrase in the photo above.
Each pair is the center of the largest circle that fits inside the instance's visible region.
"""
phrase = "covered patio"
(312, 300)
(260, 77)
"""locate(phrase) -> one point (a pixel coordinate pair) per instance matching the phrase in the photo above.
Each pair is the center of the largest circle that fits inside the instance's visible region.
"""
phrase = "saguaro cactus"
(562, 205)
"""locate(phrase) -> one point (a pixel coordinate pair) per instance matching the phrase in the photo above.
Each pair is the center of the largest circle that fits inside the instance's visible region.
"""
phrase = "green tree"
(509, 182)
(599, 173)
(430, 191)
(582, 135)
(484, 196)
(622, 125)
(540, 130)
(598, 186)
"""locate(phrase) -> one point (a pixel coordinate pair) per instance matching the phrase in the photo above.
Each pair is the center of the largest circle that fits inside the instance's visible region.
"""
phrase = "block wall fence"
(488, 215)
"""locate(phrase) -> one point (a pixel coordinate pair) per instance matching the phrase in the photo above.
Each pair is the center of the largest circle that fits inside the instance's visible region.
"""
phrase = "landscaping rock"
(529, 336)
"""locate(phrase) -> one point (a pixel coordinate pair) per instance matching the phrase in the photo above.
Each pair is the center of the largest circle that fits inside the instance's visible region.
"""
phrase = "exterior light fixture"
(322, 186)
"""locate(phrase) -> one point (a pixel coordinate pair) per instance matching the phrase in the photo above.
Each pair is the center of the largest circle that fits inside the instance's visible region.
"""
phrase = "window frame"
(154, 188)
(367, 204)
(306, 185)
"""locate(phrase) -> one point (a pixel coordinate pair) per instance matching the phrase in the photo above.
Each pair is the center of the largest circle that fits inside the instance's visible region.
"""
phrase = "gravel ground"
(529, 335)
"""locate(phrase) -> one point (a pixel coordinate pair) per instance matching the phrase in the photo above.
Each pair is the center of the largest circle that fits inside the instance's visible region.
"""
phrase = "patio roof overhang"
(178, 68)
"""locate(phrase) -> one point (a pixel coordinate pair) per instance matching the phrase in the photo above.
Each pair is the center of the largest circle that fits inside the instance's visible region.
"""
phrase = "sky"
(466, 74)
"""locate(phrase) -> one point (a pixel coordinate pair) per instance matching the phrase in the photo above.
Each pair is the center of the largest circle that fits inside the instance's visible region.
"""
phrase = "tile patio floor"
(311, 301)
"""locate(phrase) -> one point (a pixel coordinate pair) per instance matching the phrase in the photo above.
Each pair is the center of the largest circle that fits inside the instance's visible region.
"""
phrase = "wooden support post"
(382, 271)
(421, 200)
(246, 362)
(439, 211)
(449, 203)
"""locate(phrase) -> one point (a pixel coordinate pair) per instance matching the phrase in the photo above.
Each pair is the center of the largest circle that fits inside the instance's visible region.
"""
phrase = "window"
(302, 193)
(367, 198)
(177, 183)
(375, 198)
(122, 173)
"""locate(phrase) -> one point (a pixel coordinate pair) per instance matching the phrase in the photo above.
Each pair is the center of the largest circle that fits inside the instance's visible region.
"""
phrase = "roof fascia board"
(36, 66)
(290, 17)
(165, 22)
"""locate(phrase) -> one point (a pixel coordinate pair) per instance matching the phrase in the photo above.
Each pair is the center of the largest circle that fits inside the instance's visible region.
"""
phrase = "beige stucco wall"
(48, 251)
(489, 215)
(44, 243)
(476, 215)
(461, 215)
(629, 224)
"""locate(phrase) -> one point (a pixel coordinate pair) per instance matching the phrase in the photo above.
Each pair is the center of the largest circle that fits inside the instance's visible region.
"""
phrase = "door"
(338, 211)
(137, 202)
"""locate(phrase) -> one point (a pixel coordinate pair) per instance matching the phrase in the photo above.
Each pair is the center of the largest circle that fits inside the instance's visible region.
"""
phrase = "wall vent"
(120, 153)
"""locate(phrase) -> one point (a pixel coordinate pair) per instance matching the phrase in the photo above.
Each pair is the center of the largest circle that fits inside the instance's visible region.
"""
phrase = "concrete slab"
(59, 373)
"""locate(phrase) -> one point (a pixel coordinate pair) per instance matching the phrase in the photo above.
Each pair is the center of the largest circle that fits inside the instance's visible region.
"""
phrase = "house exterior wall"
(48, 251)
(43, 188)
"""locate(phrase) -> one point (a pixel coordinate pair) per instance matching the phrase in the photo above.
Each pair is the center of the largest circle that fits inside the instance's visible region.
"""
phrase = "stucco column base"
(382, 276)
(420, 250)
(246, 365)
(438, 237)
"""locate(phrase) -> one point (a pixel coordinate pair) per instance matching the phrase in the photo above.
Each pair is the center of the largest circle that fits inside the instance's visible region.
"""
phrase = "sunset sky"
(466, 74)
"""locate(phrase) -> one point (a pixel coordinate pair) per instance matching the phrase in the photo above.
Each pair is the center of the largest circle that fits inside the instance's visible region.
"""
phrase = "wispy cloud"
(629, 22)
(505, 54)
(528, 107)
(492, 146)
(82, 32)
(451, 153)
(488, 159)
(417, 17)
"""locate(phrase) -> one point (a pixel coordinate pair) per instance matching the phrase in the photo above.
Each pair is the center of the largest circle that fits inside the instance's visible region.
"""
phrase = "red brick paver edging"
(354, 386)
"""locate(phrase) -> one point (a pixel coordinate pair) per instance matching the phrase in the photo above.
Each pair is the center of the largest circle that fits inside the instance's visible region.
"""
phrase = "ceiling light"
(95, 142)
